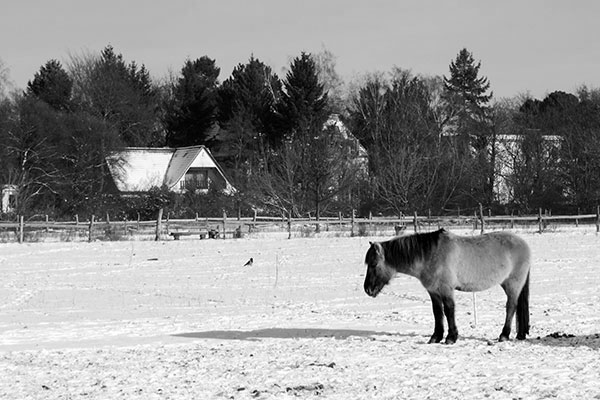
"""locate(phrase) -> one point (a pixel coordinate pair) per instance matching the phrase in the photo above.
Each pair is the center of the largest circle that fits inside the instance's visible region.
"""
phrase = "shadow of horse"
(559, 339)
(287, 333)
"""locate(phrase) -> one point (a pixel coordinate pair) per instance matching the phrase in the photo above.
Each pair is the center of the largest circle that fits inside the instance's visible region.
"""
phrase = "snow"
(185, 319)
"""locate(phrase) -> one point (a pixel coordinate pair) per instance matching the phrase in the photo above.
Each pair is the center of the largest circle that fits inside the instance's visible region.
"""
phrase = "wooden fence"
(165, 228)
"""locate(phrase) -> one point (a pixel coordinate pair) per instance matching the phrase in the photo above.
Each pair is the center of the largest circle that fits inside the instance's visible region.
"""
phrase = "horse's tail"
(523, 311)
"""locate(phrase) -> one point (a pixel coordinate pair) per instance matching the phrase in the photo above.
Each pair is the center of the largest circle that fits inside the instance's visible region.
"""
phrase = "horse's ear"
(370, 243)
(377, 247)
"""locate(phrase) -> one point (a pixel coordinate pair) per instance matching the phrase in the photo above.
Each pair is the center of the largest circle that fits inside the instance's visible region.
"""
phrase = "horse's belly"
(473, 287)
(477, 279)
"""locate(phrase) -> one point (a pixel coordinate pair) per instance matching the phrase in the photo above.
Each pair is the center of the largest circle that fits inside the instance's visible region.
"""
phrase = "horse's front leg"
(438, 315)
(448, 301)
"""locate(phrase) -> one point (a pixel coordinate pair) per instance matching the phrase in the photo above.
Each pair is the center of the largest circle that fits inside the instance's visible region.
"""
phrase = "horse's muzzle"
(372, 291)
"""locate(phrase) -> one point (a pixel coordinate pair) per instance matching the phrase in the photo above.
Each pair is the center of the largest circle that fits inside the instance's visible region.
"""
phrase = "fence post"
(415, 222)
(91, 228)
(540, 221)
(224, 223)
(597, 219)
(47, 224)
(352, 224)
(512, 219)
(21, 228)
(481, 216)
(76, 219)
(475, 220)
(158, 225)
(474, 310)
(289, 224)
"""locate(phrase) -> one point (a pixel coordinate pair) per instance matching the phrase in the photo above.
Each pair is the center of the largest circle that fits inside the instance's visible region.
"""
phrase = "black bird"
(249, 262)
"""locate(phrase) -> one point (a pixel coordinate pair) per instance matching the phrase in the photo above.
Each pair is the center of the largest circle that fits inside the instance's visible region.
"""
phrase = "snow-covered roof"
(334, 120)
(137, 169)
(180, 162)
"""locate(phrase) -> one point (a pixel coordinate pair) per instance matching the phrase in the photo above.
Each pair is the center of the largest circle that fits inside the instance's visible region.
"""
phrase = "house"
(137, 169)
(509, 155)
(360, 155)
(8, 196)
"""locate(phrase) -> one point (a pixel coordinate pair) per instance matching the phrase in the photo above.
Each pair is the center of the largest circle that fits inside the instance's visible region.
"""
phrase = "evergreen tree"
(252, 89)
(53, 85)
(312, 160)
(466, 83)
(191, 112)
(120, 94)
(304, 104)
(468, 98)
(246, 101)
(302, 112)
(466, 93)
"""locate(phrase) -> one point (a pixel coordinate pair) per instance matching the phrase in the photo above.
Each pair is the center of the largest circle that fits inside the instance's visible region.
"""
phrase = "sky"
(525, 47)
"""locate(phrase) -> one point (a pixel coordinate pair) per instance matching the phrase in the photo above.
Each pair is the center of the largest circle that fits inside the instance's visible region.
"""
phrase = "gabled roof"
(180, 162)
(137, 169)
(334, 120)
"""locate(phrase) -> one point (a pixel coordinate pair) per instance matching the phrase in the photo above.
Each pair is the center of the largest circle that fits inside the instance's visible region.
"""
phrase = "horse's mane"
(405, 250)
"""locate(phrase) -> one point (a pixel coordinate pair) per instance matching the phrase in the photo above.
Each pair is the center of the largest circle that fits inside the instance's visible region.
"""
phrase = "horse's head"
(378, 272)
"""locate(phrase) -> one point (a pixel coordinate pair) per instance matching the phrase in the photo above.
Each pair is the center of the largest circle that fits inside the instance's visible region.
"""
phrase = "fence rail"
(24, 230)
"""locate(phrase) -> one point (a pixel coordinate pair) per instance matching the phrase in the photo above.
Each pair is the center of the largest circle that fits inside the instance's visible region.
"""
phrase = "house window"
(195, 178)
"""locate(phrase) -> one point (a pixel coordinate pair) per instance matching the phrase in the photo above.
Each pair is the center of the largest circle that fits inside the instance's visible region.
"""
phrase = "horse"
(444, 262)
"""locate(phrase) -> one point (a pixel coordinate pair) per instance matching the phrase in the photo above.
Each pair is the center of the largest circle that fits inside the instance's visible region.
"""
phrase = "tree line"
(412, 143)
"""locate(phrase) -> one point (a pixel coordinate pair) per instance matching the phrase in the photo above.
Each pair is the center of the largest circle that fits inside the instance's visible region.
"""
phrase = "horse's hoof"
(450, 340)
(434, 340)
(521, 337)
(503, 338)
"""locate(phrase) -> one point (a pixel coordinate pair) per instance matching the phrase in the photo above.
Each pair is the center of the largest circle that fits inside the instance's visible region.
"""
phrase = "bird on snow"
(249, 262)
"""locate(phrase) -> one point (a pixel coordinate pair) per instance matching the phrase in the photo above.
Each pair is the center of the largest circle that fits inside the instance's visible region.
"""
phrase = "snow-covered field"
(187, 320)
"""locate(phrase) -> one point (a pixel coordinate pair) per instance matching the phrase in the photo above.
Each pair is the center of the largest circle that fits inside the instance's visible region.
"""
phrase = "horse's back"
(493, 244)
(480, 262)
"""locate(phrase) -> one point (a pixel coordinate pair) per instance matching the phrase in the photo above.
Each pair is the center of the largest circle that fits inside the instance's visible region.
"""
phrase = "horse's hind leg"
(512, 296)
(438, 315)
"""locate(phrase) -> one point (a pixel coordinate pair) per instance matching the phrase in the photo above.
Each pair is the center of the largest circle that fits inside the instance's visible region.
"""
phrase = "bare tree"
(409, 158)
(6, 86)
(332, 82)
(28, 153)
(276, 184)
